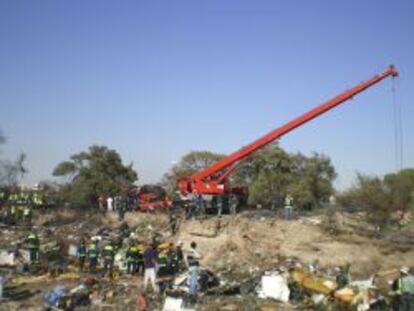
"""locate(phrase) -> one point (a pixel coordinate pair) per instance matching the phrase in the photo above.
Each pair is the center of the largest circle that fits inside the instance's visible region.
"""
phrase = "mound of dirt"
(250, 244)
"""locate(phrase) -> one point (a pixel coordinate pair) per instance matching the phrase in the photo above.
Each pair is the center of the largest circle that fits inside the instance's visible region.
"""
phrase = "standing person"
(173, 260)
(93, 254)
(200, 205)
(175, 256)
(109, 202)
(108, 254)
(162, 261)
(188, 210)
(116, 203)
(219, 203)
(37, 200)
(122, 208)
(12, 215)
(132, 258)
(150, 264)
(33, 245)
(179, 255)
(140, 258)
(288, 207)
(2, 197)
(234, 202)
(403, 291)
(193, 258)
(27, 215)
(81, 254)
(173, 222)
(101, 204)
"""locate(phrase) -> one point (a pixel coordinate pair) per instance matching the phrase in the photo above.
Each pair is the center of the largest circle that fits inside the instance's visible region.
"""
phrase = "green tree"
(271, 174)
(98, 171)
(266, 173)
(401, 189)
(312, 181)
(380, 197)
(371, 195)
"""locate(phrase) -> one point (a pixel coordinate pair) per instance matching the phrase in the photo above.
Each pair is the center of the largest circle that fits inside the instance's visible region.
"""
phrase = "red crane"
(213, 179)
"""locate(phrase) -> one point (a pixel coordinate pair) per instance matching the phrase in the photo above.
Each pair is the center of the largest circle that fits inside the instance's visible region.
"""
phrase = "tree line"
(270, 174)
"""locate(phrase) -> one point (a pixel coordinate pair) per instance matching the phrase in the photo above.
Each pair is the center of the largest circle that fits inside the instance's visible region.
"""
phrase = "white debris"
(174, 304)
(274, 286)
(96, 238)
(318, 298)
(24, 254)
(314, 220)
(73, 250)
(7, 258)
(364, 284)
(119, 261)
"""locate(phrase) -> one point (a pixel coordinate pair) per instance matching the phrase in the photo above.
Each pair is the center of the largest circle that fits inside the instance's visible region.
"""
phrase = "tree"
(312, 182)
(370, 195)
(98, 171)
(11, 172)
(380, 197)
(189, 164)
(401, 189)
(269, 174)
(266, 173)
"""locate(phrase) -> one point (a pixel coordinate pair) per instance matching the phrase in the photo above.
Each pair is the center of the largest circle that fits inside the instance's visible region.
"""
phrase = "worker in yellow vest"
(108, 254)
(132, 258)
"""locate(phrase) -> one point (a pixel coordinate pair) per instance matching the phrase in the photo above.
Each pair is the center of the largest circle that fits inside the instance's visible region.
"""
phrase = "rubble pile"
(251, 261)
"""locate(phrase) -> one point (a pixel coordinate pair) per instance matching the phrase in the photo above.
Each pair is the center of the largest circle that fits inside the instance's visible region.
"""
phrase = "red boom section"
(209, 181)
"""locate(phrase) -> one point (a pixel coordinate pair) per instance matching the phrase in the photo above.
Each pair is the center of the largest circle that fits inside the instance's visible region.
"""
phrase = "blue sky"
(156, 79)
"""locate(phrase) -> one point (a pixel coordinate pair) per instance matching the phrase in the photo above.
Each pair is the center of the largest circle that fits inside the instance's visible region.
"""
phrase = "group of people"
(162, 264)
(120, 204)
(158, 263)
(198, 205)
(17, 206)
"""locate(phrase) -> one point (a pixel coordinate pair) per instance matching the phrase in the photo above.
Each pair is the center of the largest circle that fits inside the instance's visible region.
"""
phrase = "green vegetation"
(98, 171)
(270, 174)
(380, 197)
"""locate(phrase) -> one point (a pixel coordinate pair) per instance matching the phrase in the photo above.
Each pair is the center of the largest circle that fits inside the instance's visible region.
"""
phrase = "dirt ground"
(235, 248)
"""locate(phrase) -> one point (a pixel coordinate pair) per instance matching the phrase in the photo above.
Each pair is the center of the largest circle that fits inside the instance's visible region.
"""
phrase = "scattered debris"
(255, 262)
(274, 285)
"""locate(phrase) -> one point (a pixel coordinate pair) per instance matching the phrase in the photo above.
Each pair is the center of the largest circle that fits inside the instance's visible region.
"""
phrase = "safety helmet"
(405, 270)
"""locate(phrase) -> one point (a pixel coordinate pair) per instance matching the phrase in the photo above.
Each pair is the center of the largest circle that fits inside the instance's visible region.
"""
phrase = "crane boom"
(209, 180)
